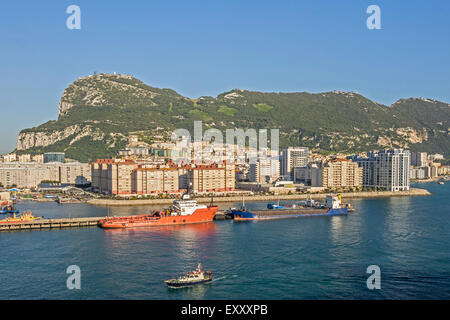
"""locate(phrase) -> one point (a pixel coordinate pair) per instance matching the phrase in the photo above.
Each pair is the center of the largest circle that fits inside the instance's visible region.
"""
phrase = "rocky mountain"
(98, 112)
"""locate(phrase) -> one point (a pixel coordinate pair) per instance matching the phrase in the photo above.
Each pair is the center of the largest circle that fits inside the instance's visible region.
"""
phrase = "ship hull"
(201, 215)
(241, 215)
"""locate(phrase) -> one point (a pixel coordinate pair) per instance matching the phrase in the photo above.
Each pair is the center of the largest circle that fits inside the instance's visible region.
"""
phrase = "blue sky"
(207, 47)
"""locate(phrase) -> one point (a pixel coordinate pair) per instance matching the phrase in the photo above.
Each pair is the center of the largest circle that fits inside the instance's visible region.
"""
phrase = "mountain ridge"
(96, 114)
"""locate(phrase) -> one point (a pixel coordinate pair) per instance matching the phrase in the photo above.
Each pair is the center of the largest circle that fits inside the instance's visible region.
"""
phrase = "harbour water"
(304, 258)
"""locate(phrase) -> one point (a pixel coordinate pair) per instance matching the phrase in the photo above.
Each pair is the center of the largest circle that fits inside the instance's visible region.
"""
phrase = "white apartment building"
(31, 174)
(387, 169)
(419, 159)
(291, 158)
(337, 173)
(265, 170)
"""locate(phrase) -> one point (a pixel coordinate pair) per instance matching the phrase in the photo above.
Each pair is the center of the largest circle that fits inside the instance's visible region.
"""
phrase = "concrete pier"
(247, 198)
(51, 224)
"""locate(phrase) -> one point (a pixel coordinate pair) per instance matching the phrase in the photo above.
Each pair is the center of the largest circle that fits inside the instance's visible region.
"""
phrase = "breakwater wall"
(40, 224)
(345, 195)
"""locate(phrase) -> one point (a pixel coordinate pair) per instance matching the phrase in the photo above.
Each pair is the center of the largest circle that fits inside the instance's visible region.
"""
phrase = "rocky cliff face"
(34, 139)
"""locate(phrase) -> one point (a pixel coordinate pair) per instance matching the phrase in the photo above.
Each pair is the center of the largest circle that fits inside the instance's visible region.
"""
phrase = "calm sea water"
(304, 258)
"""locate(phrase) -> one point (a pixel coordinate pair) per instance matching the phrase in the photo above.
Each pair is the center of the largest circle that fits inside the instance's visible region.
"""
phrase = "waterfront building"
(265, 170)
(101, 175)
(314, 174)
(131, 177)
(387, 169)
(54, 157)
(419, 159)
(291, 158)
(304, 174)
(431, 171)
(443, 170)
(338, 173)
(119, 177)
(25, 176)
(214, 177)
(368, 165)
(74, 173)
(31, 174)
(426, 172)
(417, 173)
(155, 180)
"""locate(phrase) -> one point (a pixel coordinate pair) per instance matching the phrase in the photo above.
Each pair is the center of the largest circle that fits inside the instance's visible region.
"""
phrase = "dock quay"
(68, 223)
(52, 224)
(252, 198)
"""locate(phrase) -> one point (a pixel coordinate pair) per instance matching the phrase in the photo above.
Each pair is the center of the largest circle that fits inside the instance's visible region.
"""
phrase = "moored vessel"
(8, 210)
(24, 217)
(7, 207)
(195, 277)
(333, 206)
(183, 211)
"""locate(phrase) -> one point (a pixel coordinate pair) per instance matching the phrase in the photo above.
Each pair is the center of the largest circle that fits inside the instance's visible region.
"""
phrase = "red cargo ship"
(183, 211)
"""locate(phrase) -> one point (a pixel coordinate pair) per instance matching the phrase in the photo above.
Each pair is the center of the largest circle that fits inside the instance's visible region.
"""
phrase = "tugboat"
(190, 279)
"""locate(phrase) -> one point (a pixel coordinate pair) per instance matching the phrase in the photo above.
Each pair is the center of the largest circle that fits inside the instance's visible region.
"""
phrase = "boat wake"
(219, 278)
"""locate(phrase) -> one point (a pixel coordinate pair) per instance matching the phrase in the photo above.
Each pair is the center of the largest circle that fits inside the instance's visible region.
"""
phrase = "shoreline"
(345, 195)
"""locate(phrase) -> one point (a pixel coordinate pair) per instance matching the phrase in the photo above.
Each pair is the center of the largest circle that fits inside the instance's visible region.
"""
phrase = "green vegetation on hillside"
(262, 107)
(112, 107)
(227, 110)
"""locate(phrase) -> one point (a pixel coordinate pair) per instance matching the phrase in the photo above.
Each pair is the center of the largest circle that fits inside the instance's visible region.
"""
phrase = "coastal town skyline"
(212, 158)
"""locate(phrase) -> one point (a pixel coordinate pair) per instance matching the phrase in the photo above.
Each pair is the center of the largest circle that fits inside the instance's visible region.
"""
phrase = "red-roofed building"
(128, 177)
